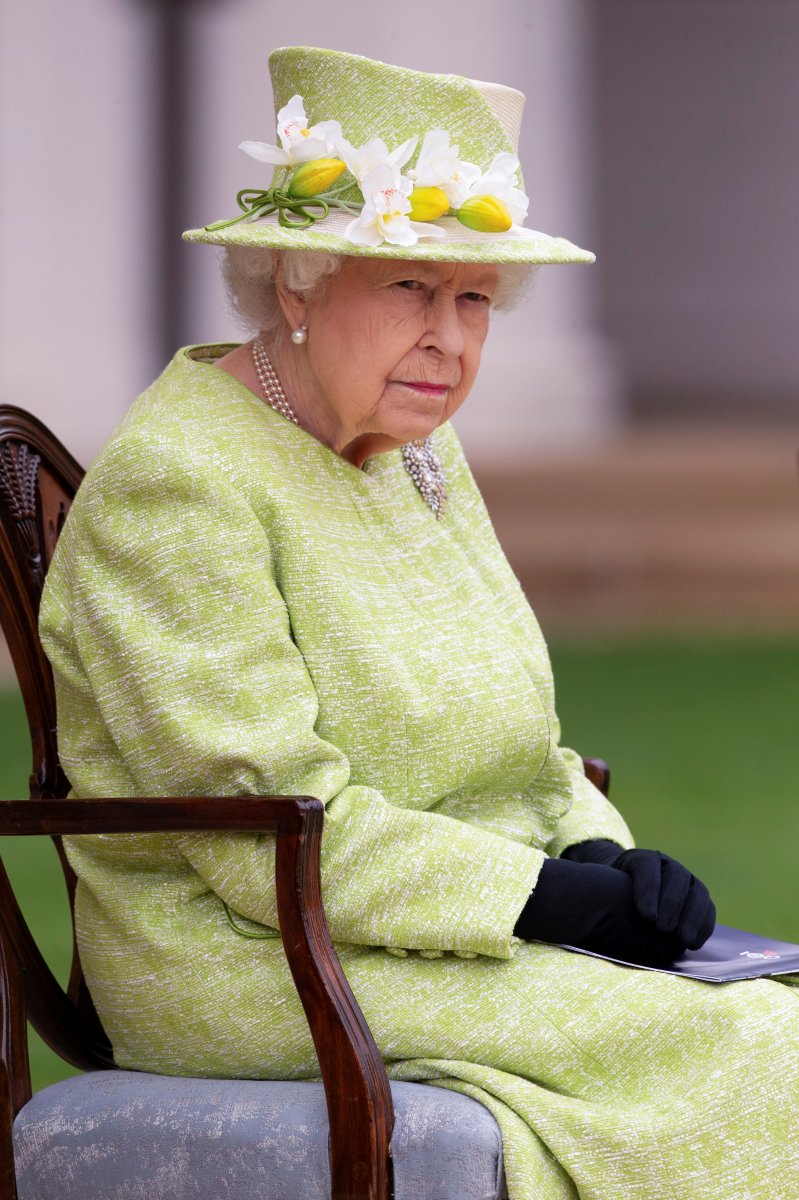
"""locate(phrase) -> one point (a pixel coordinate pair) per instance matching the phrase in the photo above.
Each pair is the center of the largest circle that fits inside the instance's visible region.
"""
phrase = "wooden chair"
(38, 481)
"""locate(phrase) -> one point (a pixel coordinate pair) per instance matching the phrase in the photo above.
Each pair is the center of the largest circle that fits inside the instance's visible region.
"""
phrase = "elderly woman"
(279, 577)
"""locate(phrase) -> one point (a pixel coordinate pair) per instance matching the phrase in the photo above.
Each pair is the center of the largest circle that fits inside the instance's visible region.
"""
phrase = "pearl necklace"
(270, 384)
(419, 458)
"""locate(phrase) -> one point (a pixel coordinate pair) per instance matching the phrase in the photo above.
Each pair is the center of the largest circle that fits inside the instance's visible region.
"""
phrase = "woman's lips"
(429, 389)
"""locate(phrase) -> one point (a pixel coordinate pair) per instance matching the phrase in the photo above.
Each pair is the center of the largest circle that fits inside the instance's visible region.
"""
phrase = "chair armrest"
(598, 771)
(356, 1085)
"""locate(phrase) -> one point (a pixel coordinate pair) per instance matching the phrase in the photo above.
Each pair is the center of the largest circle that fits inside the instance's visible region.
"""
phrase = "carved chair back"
(38, 482)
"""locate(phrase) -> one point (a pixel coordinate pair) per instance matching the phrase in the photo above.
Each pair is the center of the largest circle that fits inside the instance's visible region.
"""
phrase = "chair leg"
(15, 1079)
(8, 1176)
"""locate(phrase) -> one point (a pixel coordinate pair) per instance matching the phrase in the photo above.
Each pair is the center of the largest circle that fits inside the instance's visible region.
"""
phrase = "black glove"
(591, 906)
(664, 891)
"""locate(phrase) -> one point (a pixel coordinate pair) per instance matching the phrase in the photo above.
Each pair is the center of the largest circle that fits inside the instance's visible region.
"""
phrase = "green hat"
(390, 163)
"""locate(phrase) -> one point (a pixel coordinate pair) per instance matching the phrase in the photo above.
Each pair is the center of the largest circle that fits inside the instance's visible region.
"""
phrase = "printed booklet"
(728, 954)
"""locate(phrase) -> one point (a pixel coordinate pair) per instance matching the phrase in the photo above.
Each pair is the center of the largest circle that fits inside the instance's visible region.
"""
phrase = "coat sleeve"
(588, 813)
(591, 814)
(171, 642)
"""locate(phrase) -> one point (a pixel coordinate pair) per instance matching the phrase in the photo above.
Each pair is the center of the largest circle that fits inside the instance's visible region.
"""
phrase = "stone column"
(549, 379)
(74, 345)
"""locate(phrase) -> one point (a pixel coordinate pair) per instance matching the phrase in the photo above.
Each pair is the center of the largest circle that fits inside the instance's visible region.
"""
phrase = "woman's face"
(393, 348)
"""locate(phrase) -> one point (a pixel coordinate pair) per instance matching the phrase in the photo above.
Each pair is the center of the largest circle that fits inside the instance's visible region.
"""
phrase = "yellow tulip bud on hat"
(485, 214)
(313, 178)
(428, 203)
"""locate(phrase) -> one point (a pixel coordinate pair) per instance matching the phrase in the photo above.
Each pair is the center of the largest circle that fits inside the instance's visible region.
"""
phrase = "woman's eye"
(477, 296)
(410, 284)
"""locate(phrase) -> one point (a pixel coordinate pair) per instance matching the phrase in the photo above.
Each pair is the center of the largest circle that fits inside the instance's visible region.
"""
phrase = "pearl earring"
(298, 336)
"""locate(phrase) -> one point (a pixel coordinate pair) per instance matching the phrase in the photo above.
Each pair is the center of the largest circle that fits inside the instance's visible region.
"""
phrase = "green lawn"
(702, 739)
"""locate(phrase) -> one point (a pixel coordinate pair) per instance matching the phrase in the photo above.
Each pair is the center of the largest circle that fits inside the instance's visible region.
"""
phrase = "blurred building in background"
(634, 425)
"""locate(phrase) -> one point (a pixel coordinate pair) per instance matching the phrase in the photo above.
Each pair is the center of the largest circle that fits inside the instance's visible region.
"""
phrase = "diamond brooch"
(425, 469)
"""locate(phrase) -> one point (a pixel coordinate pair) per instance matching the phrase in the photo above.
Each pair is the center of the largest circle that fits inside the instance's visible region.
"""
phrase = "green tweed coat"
(234, 609)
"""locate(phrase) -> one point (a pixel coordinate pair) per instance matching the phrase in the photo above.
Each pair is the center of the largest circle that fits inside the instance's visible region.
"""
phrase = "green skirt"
(608, 1083)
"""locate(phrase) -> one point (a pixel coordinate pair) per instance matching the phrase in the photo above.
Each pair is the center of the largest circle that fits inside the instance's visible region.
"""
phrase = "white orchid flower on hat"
(439, 166)
(501, 181)
(299, 143)
(384, 217)
(363, 160)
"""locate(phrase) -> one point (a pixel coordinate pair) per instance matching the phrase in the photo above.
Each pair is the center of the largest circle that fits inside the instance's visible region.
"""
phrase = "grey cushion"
(124, 1135)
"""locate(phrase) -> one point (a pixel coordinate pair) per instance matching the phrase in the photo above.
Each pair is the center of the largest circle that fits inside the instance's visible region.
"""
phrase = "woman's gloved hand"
(665, 892)
(591, 906)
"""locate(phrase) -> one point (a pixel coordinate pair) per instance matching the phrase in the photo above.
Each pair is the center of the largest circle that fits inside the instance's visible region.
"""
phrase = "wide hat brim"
(374, 99)
(458, 245)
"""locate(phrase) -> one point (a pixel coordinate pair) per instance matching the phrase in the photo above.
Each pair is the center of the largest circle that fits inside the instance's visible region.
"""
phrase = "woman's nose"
(443, 330)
